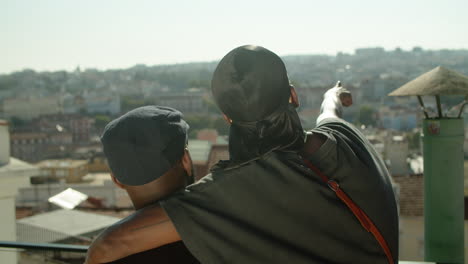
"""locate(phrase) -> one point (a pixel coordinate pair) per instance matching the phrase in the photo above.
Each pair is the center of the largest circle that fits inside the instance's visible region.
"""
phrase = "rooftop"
(411, 194)
(66, 163)
(16, 165)
(60, 224)
(27, 135)
(439, 80)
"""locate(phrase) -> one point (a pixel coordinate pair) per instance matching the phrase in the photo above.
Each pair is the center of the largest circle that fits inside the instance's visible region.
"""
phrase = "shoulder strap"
(365, 221)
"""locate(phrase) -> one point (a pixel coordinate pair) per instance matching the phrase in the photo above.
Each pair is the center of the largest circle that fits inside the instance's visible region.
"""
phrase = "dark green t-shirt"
(275, 210)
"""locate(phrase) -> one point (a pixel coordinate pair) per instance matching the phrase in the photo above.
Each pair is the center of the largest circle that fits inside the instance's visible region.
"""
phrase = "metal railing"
(42, 253)
(43, 246)
(54, 247)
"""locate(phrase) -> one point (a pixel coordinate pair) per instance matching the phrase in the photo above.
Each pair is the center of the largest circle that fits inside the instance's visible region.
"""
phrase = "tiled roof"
(411, 194)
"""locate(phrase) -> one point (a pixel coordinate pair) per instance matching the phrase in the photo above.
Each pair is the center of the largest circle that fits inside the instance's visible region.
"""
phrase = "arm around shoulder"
(147, 228)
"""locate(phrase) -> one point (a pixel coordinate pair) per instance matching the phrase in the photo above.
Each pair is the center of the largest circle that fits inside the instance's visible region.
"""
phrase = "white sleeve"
(331, 106)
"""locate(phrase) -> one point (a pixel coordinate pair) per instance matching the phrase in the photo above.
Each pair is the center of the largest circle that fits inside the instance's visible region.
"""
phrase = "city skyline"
(57, 35)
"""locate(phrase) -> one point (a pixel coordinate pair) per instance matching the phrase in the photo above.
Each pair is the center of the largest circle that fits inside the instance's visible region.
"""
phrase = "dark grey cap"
(250, 83)
(144, 144)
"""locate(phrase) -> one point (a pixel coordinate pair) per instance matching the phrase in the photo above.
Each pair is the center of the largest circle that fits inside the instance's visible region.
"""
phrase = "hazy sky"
(61, 34)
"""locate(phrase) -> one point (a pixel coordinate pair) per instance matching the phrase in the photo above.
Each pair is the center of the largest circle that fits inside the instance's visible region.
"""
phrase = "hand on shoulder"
(313, 143)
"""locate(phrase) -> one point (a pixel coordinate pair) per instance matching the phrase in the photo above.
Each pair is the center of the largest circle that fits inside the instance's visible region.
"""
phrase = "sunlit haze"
(50, 35)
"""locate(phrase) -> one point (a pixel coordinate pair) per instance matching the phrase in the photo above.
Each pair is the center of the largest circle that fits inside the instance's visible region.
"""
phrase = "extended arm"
(147, 228)
(333, 101)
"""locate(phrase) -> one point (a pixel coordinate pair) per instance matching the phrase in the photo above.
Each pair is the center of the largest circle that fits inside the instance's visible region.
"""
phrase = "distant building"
(396, 152)
(208, 134)
(37, 146)
(377, 143)
(98, 163)
(72, 104)
(199, 152)
(14, 174)
(30, 147)
(69, 171)
(79, 126)
(377, 51)
(416, 164)
(60, 138)
(102, 103)
(400, 119)
(97, 186)
(205, 154)
(310, 98)
(411, 207)
(186, 102)
(29, 108)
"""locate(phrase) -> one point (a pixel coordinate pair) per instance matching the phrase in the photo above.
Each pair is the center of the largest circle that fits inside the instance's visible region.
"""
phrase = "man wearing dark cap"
(285, 195)
(146, 151)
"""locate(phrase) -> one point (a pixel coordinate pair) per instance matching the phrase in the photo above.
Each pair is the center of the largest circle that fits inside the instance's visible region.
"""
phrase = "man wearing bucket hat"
(285, 195)
(146, 152)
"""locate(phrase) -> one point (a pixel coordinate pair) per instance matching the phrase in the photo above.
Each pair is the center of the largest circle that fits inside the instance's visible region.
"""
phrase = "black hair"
(283, 132)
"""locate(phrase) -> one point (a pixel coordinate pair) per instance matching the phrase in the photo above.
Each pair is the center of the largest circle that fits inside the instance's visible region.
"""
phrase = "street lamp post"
(443, 139)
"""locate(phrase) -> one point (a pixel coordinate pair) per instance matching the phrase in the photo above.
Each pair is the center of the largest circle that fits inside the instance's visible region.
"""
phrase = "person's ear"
(187, 162)
(227, 119)
(117, 182)
(293, 99)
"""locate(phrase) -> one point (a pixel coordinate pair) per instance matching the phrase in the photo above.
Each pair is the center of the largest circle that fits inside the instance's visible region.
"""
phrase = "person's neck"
(140, 199)
(154, 191)
(140, 204)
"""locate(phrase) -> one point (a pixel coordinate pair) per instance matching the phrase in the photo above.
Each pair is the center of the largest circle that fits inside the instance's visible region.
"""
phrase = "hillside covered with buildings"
(61, 114)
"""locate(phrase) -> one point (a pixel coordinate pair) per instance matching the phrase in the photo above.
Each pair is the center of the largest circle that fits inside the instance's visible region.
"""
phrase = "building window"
(60, 173)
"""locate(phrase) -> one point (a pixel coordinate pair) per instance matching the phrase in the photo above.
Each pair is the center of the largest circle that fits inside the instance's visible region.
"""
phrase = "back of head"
(250, 83)
(144, 144)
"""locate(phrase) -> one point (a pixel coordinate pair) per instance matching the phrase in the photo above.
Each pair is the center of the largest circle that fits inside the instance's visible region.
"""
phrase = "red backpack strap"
(365, 221)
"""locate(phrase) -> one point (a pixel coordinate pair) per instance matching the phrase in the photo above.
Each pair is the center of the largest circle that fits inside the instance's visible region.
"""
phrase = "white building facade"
(13, 175)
